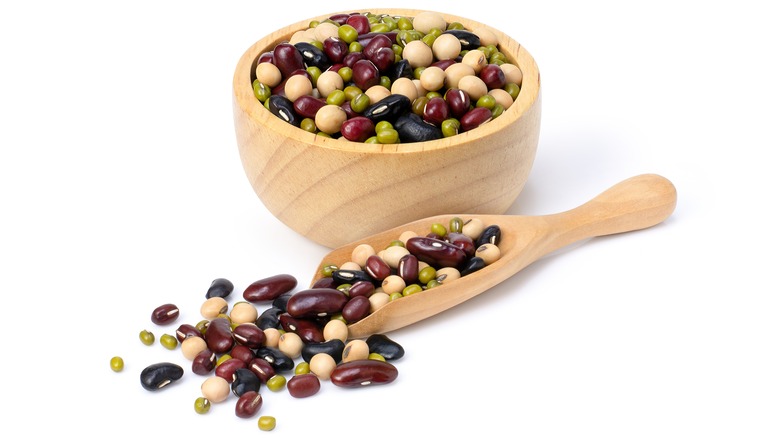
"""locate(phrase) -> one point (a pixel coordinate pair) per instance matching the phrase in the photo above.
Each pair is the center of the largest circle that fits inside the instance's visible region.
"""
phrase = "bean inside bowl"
(335, 191)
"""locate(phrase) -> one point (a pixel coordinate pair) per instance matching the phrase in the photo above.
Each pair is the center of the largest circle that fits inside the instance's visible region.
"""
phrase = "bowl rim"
(244, 99)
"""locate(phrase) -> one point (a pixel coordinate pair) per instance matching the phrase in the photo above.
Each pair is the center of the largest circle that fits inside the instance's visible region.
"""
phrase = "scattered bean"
(215, 389)
(363, 373)
(165, 314)
(159, 375)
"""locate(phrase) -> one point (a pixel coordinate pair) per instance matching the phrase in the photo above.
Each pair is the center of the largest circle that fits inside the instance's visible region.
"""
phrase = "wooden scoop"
(633, 204)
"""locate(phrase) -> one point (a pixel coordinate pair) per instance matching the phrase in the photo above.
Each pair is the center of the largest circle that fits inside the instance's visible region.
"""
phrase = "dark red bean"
(269, 288)
(356, 309)
(358, 129)
(219, 337)
(204, 363)
(248, 405)
(377, 268)
(443, 64)
(243, 353)
(262, 369)
(364, 372)
(458, 101)
(339, 18)
(186, 330)
(308, 105)
(266, 57)
(347, 107)
(360, 23)
(493, 76)
(352, 58)
(324, 283)
(165, 314)
(303, 385)
(249, 335)
(463, 242)
(227, 368)
(335, 48)
(316, 302)
(365, 74)
(366, 38)
(220, 287)
(383, 58)
(375, 43)
(436, 252)
(361, 288)
(475, 118)
(288, 59)
(436, 111)
(408, 268)
(309, 331)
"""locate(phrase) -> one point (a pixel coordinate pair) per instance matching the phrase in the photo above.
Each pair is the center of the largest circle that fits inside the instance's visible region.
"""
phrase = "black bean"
(350, 276)
(278, 360)
(384, 346)
(220, 287)
(334, 348)
(491, 234)
(244, 380)
(400, 69)
(472, 265)
(281, 107)
(388, 108)
(159, 375)
(411, 128)
(269, 318)
(313, 56)
(468, 40)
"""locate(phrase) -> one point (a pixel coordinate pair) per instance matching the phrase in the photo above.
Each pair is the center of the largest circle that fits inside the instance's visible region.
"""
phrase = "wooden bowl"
(335, 191)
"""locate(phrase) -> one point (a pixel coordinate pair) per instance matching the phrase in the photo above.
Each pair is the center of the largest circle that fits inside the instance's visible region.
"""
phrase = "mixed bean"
(377, 78)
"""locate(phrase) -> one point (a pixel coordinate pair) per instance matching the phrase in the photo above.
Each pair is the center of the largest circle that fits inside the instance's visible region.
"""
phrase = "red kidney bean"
(219, 337)
(303, 385)
(269, 288)
(361, 288)
(186, 330)
(408, 268)
(339, 18)
(308, 330)
(316, 302)
(204, 363)
(249, 335)
(493, 76)
(262, 369)
(244, 381)
(324, 283)
(367, 37)
(288, 59)
(365, 74)
(475, 118)
(347, 107)
(458, 101)
(248, 405)
(356, 309)
(159, 375)
(436, 252)
(463, 242)
(360, 23)
(377, 268)
(335, 48)
(307, 106)
(227, 368)
(363, 372)
(165, 314)
(436, 111)
(357, 129)
(243, 353)
(220, 287)
(383, 58)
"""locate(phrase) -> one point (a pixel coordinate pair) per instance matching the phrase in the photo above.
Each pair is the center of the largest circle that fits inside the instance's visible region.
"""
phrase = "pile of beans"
(373, 78)
(238, 349)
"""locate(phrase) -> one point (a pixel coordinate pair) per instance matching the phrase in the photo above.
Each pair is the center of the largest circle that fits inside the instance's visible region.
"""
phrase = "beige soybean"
(447, 275)
(392, 284)
(328, 82)
(243, 312)
(473, 86)
(335, 329)
(406, 235)
(268, 74)
(191, 346)
(377, 300)
(322, 365)
(488, 252)
(418, 54)
(350, 266)
(213, 307)
(502, 97)
(475, 59)
(512, 73)
(329, 118)
(473, 228)
(297, 86)
(406, 87)
(272, 336)
(456, 72)
(215, 389)
(446, 46)
(393, 254)
(356, 349)
(291, 345)
(361, 253)
(486, 36)
(432, 78)
(377, 93)
(426, 21)
(326, 30)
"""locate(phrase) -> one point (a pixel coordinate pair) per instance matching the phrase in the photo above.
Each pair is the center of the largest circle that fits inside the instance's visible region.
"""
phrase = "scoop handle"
(638, 202)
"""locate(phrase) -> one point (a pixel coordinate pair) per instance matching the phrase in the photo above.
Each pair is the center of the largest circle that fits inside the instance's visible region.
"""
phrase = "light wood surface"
(335, 191)
(636, 203)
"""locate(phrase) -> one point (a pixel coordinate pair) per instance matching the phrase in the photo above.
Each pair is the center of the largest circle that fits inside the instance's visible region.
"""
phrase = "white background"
(122, 189)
